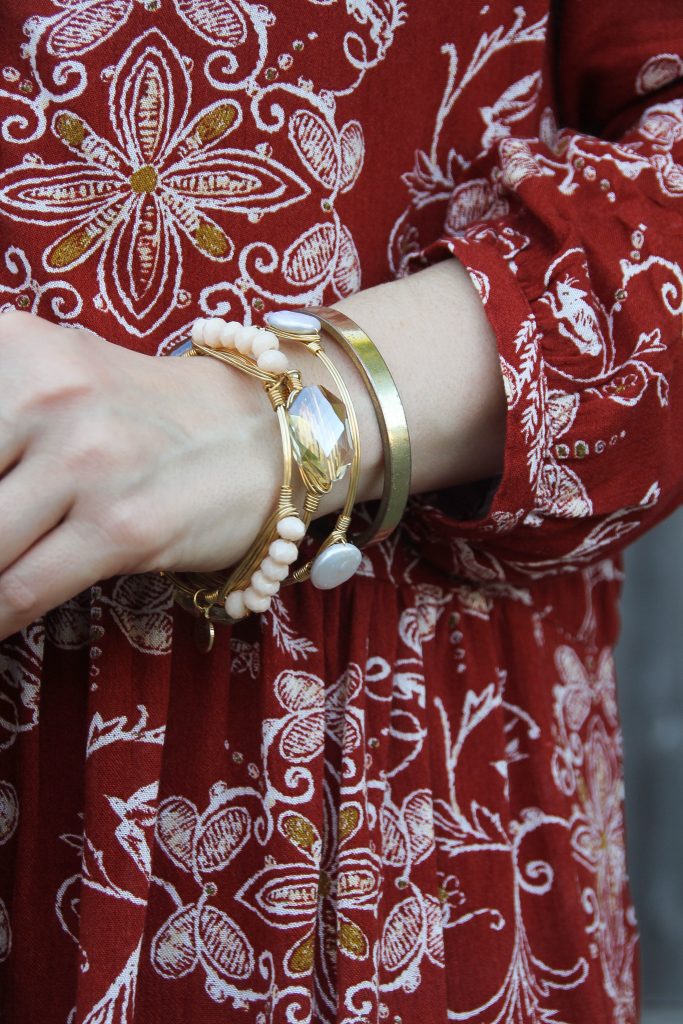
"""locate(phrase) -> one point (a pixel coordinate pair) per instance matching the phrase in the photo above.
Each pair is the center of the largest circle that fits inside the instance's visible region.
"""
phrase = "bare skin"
(115, 462)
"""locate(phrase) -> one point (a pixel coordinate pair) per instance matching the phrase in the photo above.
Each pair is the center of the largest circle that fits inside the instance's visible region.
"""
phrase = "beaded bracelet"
(256, 352)
(304, 415)
(211, 596)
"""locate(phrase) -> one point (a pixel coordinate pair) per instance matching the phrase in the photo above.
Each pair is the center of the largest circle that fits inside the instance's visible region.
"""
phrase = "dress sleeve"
(578, 262)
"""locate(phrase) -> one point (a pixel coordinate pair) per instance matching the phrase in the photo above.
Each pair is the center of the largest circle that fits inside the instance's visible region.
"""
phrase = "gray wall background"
(650, 673)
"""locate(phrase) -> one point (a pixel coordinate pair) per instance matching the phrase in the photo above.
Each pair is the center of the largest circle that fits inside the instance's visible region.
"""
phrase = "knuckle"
(17, 597)
(88, 451)
(59, 374)
(58, 384)
(129, 529)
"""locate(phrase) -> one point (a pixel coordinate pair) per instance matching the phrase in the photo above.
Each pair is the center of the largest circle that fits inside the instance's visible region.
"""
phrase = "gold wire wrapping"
(339, 533)
(205, 593)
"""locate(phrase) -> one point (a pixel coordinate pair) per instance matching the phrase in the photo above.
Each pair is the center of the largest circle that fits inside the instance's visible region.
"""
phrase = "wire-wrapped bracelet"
(318, 423)
(251, 585)
(337, 558)
(307, 417)
(307, 326)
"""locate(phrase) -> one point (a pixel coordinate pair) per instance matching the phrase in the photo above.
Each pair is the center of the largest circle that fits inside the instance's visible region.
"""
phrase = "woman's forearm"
(144, 464)
(433, 333)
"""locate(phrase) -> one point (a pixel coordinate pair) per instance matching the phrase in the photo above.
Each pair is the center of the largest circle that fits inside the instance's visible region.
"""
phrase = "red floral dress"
(398, 801)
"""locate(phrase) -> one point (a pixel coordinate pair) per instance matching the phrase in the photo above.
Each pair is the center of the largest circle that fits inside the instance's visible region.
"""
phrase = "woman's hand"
(115, 462)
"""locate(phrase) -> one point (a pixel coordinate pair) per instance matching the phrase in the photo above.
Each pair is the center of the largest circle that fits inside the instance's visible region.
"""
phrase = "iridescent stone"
(182, 349)
(293, 322)
(335, 565)
(320, 437)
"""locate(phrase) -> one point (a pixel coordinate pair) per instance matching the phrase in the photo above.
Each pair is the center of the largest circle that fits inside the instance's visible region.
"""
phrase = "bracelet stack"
(320, 435)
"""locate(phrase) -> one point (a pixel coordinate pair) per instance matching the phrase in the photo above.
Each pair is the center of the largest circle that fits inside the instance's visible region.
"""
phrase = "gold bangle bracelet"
(338, 564)
(204, 594)
(341, 563)
(391, 419)
(320, 454)
(210, 595)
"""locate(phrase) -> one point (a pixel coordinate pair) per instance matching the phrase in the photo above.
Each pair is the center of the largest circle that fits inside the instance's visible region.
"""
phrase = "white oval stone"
(212, 330)
(283, 551)
(262, 585)
(273, 361)
(291, 528)
(256, 602)
(228, 332)
(335, 565)
(264, 341)
(234, 604)
(244, 336)
(293, 322)
(273, 570)
(198, 330)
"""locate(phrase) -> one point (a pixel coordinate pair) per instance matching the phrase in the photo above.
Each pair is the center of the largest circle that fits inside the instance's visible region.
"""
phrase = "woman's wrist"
(432, 331)
(225, 412)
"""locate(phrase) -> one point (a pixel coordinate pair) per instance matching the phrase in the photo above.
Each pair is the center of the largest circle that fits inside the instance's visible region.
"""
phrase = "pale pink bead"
(198, 330)
(212, 331)
(273, 570)
(256, 602)
(228, 334)
(273, 361)
(291, 528)
(234, 604)
(244, 336)
(264, 341)
(283, 551)
(262, 585)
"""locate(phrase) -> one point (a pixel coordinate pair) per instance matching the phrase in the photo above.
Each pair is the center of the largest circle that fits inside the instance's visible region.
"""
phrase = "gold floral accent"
(71, 130)
(348, 820)
(211, 239)
(71, 248)
(301, 956)
(215, 124)
(300, 831)
(352, 940)
(144, 180)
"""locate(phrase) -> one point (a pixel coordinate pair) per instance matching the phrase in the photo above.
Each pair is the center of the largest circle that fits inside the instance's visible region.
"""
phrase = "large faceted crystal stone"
(320, 437)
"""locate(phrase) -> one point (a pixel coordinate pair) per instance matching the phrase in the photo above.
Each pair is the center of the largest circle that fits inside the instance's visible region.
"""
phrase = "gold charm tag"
(204, 633)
